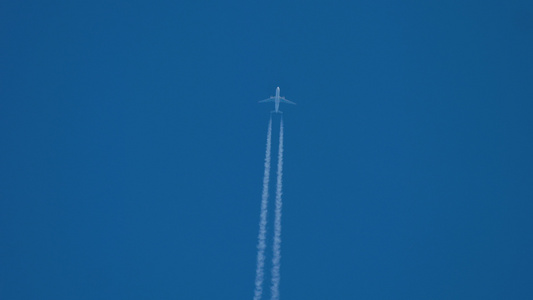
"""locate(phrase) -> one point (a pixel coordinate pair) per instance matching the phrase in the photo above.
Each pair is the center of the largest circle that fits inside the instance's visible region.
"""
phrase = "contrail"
(274, 289)
(261, 245)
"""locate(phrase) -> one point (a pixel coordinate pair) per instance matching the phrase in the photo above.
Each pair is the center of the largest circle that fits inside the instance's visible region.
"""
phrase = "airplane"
(277, 99)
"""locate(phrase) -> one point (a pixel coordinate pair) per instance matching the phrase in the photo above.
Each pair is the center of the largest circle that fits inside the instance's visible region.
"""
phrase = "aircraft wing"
(268, 100)
(282, 99)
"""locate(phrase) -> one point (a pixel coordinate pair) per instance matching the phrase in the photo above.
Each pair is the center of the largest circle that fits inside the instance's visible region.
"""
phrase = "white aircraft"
(277, 99)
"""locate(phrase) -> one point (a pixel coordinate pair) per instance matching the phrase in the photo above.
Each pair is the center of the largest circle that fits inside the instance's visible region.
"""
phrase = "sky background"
(132, 148)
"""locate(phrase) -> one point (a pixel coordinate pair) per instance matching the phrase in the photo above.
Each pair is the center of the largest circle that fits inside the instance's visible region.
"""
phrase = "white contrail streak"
(261, 245)
(276, 257)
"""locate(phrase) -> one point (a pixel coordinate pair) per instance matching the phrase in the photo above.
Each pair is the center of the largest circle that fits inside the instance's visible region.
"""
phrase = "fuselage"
(276, 100)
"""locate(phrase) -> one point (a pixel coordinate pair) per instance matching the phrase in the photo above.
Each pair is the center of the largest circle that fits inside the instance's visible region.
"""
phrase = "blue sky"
(133, 145)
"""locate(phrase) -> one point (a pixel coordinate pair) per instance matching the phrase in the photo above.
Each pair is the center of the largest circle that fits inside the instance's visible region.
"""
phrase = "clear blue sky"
(132, 148)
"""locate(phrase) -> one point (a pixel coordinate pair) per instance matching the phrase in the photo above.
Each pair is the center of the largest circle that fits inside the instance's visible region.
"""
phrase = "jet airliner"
(277, 99)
